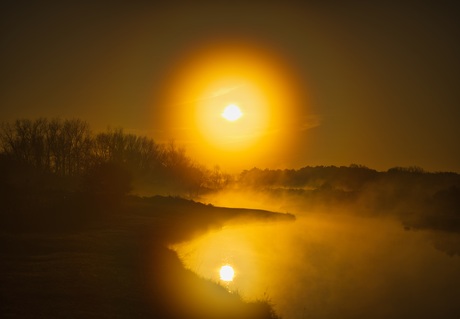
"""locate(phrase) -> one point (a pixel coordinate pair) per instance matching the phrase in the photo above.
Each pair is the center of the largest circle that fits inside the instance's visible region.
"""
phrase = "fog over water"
(332, 264)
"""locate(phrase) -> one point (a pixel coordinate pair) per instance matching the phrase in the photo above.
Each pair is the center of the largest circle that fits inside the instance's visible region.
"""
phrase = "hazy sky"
(381, 79)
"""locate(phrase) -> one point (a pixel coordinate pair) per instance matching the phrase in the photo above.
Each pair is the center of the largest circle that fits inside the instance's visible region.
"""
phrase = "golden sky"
(318, 84)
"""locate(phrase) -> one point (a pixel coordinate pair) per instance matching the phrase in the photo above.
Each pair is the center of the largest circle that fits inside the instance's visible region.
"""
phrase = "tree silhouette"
(61, 147)
(67, 149)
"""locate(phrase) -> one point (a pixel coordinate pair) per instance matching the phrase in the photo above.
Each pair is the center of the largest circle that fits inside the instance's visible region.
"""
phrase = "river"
(333, 265)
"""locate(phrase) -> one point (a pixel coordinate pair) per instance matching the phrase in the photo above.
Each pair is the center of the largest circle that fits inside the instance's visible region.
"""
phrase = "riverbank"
(119, 266)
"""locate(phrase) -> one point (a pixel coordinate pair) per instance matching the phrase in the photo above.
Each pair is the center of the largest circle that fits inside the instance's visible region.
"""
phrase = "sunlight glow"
(232, 113)
(226, 273)
(230, 73)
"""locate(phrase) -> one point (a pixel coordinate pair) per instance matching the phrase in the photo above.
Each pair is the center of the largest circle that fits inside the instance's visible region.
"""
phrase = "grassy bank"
(119, 266)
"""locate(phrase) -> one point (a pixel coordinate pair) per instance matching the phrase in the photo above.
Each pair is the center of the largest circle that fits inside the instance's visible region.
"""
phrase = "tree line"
(70, 150)
(347, 178)
(419, 198)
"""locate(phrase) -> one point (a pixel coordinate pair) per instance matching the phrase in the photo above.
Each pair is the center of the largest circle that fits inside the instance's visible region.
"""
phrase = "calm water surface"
(333, 266)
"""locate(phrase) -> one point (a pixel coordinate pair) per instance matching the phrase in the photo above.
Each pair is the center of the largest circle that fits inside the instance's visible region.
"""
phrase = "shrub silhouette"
(107, 181)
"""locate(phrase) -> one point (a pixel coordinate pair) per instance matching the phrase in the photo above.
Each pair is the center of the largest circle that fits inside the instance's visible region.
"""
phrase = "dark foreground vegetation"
(116, 264)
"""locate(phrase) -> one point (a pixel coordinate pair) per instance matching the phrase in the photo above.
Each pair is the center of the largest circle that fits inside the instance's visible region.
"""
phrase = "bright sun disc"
(232, 113)
(227, 273)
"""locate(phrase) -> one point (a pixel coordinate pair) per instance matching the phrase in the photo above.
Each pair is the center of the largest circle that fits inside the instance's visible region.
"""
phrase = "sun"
(227, 273)
(232, 113)
(232, 101)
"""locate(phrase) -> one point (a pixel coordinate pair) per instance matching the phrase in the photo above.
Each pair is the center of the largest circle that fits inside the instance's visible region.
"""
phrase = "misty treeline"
(58, 173)
(42, 160)
(421, 199)
(69, 149)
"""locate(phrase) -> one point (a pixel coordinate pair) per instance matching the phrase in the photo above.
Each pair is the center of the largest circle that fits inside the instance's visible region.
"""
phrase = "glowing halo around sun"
(232, 99)
(226, 273)
(232, 113)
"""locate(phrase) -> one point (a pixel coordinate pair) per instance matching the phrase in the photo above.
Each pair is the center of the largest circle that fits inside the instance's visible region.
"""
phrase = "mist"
(333, 265)
(386, 248)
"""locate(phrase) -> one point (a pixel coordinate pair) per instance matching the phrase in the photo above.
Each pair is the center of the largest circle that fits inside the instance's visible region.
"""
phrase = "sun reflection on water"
(226, 273)
(324, 265)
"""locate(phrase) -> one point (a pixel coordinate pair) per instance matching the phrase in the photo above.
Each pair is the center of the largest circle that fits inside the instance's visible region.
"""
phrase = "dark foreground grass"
(120, 266)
